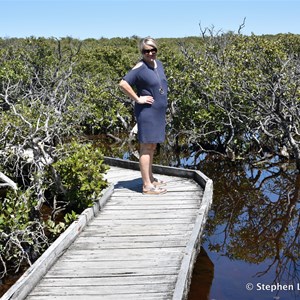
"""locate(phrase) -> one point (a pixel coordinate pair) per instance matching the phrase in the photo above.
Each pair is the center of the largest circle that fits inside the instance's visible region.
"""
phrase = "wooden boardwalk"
(137, 247)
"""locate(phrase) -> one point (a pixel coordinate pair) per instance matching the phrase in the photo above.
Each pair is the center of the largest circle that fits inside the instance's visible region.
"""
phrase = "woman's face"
(149, 53)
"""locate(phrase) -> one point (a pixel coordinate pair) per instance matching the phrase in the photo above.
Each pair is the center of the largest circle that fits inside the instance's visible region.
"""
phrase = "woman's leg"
(155, 182)
(151, 163)
(146, 159)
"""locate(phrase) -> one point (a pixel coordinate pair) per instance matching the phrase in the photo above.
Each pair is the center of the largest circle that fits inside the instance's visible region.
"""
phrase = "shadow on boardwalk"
(134, 185)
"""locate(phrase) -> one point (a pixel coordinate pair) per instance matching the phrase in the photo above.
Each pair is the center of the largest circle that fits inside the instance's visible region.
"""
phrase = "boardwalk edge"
(39, 268)
(193, 247)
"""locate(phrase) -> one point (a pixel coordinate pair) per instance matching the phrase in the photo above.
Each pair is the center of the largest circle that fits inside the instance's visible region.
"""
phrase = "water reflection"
(252, 233)
(254, 224)
(203, 275)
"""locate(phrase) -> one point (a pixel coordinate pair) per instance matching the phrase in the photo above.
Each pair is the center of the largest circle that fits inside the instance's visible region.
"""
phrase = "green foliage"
(16, 210)
(22, 237)
(56, 228)
(226, 83)
(81, 172)
(102, 64)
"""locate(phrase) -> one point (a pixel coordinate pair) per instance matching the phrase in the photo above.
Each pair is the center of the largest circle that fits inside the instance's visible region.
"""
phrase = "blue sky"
(124, 18)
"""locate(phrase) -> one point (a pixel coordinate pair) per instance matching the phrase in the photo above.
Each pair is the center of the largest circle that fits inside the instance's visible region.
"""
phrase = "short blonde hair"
(147, 41)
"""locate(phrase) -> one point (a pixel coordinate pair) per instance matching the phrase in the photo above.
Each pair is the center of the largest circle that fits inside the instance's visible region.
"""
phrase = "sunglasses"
(153, 50)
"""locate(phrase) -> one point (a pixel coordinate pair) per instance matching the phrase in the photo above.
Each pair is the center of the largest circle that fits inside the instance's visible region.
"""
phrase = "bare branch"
(8, 182)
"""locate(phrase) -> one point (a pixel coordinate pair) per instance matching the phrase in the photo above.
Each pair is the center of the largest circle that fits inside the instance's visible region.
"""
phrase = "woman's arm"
(128, 90)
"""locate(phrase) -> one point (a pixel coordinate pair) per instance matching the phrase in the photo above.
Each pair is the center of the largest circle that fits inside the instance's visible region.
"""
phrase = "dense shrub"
(22, 236)
(81, 170)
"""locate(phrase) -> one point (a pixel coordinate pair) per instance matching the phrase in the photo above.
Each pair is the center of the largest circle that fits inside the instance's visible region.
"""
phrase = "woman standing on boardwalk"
(146, 84)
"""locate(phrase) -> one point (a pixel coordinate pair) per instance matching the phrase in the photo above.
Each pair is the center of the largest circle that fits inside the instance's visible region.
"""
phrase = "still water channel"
(251, 245)
(251, 248)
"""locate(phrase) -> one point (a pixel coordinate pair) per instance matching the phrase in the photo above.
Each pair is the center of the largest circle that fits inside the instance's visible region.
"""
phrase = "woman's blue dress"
(151, 119)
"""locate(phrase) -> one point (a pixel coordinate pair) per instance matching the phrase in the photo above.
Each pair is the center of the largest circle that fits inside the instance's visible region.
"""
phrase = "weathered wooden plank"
(138, 189)
(108, 272)
(128, 232)
(129, 245)
(114, 264)
(124, 259)
(117, 240)
(181, 196)
(107, 281)
(148, 211)
(154, 228)
(103, 290)
(125, 234)
(156, 202)
(140, 296)
(131, 230)
(150, 206)
(150, 214)
(171, 195)
(136, 252)
(168, 196)
(140, 262)
(186, 219)
(99, 222)
(122, 231)
(152, 218)
(122, 256)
